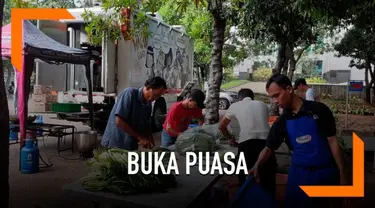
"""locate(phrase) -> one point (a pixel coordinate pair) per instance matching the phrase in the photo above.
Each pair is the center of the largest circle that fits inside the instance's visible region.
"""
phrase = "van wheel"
(223, 104)
(160, 109)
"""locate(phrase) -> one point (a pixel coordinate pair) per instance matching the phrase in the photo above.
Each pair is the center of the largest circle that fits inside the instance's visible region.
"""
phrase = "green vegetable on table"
(110, 174)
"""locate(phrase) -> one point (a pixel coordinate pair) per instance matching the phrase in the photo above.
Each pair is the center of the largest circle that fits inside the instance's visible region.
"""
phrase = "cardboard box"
(47, 90)
(40, 107)
(51, 98)
(41, 89)
(44, 98)
(37, 90)
(39, 98)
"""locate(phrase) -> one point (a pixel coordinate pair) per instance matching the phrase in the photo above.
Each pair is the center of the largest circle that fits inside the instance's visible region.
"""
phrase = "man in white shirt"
(301, 86)
(252, 116)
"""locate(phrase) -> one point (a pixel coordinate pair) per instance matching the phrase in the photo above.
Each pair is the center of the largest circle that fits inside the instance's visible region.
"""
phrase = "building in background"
(327, 65)
(245, 69)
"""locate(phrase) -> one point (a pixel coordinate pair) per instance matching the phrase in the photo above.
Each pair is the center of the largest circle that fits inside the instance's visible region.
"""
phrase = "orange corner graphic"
(355, 190)
(19, 14)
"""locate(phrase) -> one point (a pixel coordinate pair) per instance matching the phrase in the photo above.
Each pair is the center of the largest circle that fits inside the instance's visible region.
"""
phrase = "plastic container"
(193, 125)
(13, 135)
(30, 157)
(251, 194)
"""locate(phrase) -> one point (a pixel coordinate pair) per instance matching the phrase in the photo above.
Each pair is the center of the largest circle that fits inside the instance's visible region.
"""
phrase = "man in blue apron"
(309, 130)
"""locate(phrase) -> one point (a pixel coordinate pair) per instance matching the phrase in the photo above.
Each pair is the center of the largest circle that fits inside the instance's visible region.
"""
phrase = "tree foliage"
(107, 25)
(359, 44)
(8, 4)
(262, 74)
(268, 21)
(359, 41)
(197, 21)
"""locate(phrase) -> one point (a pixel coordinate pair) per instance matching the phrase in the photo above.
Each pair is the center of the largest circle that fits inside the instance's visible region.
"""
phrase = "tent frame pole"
(90, 98)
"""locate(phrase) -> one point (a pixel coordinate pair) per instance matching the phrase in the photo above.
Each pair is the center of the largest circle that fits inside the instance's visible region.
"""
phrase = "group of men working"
(129, 123)
(307, 127)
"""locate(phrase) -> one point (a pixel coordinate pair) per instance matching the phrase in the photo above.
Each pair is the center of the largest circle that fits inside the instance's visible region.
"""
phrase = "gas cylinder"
(30, 157)
(39, 120)
(13, 135)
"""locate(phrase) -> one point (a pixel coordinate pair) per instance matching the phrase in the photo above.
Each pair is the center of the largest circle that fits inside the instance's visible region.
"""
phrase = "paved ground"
(256, 87)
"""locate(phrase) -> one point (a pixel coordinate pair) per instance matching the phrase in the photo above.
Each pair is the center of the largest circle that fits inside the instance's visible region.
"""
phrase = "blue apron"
(312, 162)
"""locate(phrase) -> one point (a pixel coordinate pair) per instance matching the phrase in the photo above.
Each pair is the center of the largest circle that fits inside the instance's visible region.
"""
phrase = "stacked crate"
(42, 99)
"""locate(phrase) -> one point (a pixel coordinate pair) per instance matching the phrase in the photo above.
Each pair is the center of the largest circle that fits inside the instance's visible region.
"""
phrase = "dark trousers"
(267, 172)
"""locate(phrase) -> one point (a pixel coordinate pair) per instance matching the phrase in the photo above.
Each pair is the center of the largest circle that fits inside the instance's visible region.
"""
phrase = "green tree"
(262, 74)
(6, 12)
(279, 22)
(56, 4)
(359, 44)
(8, 4)
(222, 12)
(101, 26)
(198, 24)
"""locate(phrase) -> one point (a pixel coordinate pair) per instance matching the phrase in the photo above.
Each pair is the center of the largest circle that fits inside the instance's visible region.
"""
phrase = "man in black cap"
(180, 116)
(301, 86)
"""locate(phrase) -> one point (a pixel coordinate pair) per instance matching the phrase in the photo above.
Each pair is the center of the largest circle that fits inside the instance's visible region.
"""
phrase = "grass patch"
(232, 84)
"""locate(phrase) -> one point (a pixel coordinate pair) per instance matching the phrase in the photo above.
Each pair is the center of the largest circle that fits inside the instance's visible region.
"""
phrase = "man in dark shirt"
(129, 121)
(309, 130)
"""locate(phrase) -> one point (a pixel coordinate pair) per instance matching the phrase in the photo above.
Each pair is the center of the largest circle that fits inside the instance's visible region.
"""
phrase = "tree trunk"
(4, 135)
(372, 82)
(368, 87)
(292, 60)
(292, 67)
(288, 56)
(286, 66)
(274, 108)
(280, 59)
(216, 70)
(9, 71)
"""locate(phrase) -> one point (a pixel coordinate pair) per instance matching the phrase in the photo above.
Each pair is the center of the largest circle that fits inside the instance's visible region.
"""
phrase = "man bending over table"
(252, 116)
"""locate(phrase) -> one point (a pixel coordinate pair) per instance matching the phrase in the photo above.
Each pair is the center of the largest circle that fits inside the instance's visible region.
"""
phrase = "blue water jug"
(13, 135)
(251, 194)
(193, 125)
(39, 120)
(30, 157)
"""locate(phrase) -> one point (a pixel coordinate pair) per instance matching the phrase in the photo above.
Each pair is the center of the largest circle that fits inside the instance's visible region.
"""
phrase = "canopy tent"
(37, 45)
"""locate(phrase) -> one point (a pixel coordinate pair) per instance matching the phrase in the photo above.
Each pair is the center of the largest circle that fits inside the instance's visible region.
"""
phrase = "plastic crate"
(66, 107)
(251, 194)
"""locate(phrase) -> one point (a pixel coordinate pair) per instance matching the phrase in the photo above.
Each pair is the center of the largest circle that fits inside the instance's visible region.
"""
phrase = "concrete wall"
(243, 75)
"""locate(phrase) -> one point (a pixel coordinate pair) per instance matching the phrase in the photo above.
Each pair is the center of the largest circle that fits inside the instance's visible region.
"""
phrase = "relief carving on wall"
(166, 56)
